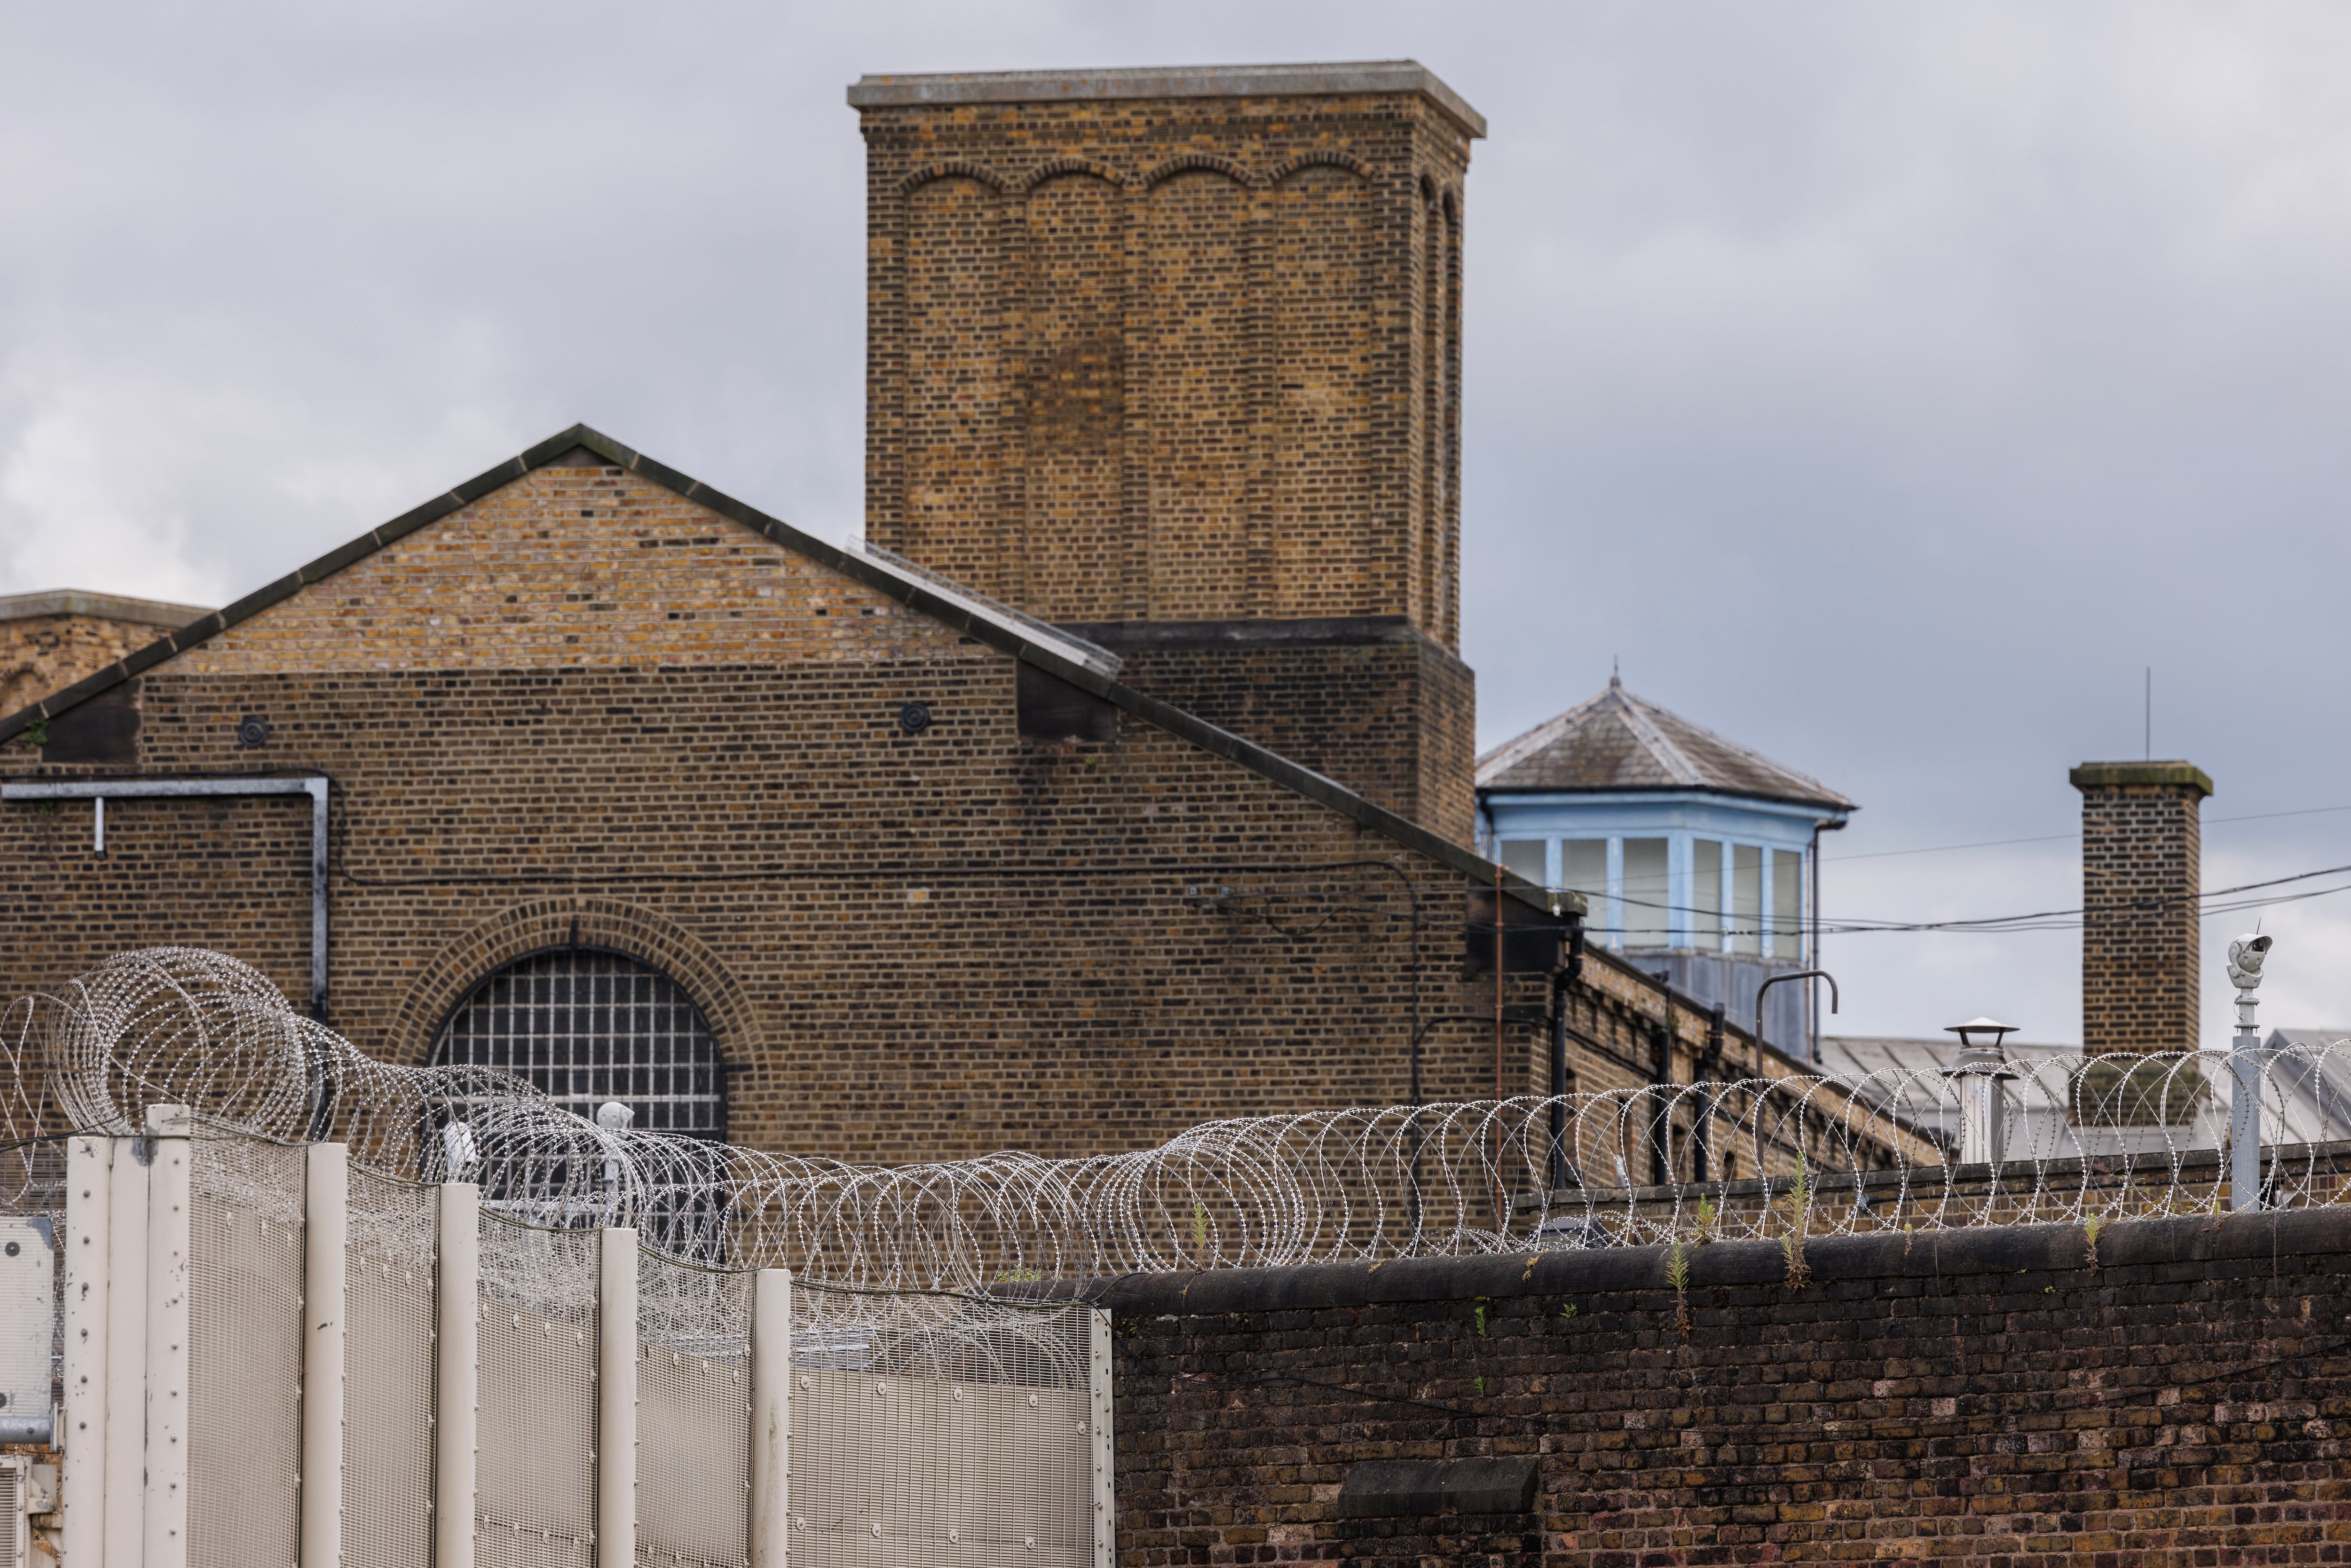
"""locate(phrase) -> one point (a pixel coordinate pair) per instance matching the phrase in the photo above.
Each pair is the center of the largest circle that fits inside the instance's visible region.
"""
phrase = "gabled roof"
(1616, 741)
(1032, 641)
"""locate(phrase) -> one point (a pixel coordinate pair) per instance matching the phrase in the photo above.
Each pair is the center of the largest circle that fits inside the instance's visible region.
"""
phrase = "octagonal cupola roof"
(1619, 742)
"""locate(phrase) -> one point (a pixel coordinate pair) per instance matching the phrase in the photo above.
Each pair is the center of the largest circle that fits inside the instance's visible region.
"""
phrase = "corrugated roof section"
(1616, 741)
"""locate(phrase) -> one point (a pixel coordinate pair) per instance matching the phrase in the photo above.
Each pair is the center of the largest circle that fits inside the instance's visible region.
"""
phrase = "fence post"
(88, 1188)
(168, 1196)
(125, 1459)
(326, 1228)
(771, 1417)
(1102, 1491)
(616, 1399)
(457, 1373)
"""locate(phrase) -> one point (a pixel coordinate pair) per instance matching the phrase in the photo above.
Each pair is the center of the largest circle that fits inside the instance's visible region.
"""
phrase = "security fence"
(275, 1357)
(315, 1305)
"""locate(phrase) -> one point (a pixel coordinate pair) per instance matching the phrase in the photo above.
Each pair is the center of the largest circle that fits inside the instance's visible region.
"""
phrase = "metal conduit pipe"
(99, 791)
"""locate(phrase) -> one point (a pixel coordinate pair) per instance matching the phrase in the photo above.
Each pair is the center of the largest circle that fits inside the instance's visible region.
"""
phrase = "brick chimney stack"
(2142, 853)
(1172, 357)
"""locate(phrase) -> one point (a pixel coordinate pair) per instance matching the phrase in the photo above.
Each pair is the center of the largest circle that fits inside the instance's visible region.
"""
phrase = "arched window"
(589, 1026)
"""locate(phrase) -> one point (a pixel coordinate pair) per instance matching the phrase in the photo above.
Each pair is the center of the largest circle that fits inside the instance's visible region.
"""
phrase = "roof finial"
(1616, 674)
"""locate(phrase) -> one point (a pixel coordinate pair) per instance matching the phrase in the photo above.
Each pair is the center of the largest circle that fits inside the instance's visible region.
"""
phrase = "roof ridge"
(1514, 751)
(1671, 758)
(1751, 755)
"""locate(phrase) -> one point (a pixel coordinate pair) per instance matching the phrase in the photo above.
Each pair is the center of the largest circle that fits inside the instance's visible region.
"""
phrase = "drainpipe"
(1812, 993)
(1561, 979)
(1701, 1155)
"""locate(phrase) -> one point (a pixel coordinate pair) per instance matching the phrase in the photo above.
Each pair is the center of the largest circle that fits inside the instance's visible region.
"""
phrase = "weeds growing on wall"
(1800, 1220)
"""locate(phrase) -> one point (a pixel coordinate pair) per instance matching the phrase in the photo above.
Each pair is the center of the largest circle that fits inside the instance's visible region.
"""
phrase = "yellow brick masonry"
(45, 654)
(574, 566)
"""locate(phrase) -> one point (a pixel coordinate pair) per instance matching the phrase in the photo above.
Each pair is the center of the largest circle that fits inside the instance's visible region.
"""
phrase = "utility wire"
(2053, 838)
(2036, 920)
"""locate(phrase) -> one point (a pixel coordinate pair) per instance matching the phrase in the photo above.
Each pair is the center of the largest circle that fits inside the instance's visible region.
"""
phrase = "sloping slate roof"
(1616, 741)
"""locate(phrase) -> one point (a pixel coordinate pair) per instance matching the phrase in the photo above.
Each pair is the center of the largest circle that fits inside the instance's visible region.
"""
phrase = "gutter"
(99, 791)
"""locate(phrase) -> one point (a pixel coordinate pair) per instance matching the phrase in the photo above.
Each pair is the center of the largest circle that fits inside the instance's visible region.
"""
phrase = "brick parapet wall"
(2142, 855)
(2173, 1394)
(44, 653)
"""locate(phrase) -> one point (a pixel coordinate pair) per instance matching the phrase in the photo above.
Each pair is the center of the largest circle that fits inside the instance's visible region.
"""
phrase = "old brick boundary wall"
(2003, 1395)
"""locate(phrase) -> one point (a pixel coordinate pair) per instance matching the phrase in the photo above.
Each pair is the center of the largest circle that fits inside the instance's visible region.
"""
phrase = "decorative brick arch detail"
(953, 169)
(1190, 162)
(1054, 168)
(567, 921)
(1289, 166)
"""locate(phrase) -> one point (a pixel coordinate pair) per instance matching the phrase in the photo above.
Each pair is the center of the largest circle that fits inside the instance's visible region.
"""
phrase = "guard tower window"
(586, 1027)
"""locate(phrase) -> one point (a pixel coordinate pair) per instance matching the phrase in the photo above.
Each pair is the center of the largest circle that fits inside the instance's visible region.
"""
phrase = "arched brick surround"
(567, 920)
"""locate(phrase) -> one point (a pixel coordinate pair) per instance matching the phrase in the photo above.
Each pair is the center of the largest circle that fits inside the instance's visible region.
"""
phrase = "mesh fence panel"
(244, 1352)
(938, 1433)
(534, 1480)
(694, 1415)
(388, 1358)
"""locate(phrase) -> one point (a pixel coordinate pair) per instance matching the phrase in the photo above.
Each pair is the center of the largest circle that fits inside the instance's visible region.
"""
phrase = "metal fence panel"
(535, 1497)
(245, 1353)
(940, 1433)
(388, 1374)
(694, 1415)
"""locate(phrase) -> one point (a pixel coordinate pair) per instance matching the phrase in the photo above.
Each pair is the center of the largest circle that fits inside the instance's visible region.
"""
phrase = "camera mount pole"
(2245, 956)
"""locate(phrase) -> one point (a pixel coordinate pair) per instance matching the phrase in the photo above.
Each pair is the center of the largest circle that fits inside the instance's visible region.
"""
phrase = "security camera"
(2245, 956)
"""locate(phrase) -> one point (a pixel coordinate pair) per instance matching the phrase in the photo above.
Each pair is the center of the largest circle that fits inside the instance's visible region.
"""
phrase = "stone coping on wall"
(1987, 1249)
(99, 606)
(1333, 80)
(2125, 775)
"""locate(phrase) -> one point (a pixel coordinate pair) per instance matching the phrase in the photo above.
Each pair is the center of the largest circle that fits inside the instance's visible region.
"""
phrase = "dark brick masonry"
(2171, 1395)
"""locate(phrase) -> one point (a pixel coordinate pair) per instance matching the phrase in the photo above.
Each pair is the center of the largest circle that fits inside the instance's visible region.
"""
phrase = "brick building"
(600, 774)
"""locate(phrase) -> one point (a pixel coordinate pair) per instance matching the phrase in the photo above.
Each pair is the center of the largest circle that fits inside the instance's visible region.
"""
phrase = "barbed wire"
(1763, 1158)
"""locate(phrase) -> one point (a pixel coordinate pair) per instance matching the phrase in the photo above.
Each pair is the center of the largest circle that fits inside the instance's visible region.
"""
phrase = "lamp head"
(2245, 957)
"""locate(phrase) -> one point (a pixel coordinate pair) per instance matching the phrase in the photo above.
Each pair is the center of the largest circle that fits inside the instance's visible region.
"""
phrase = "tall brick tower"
(2142, 869)
(1173, 357)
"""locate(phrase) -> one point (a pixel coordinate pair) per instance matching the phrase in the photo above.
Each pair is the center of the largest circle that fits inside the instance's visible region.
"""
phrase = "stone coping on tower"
(1322, 80)
(2120, 775)
(100, 606)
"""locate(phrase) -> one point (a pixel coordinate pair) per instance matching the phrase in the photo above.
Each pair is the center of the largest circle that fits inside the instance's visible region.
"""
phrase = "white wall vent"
(29, 1298)
(17, 1503)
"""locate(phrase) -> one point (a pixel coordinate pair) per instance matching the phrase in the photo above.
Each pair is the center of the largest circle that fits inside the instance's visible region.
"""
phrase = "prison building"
(1122, 783)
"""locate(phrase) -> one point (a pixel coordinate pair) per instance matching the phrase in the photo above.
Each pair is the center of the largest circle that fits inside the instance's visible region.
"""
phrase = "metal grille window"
(588, 1027)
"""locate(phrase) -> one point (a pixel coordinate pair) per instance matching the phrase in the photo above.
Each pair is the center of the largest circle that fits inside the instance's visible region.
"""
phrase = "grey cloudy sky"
(1886, 385)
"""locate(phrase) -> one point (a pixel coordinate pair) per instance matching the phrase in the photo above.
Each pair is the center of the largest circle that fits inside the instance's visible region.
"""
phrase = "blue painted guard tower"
(1693, 850)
